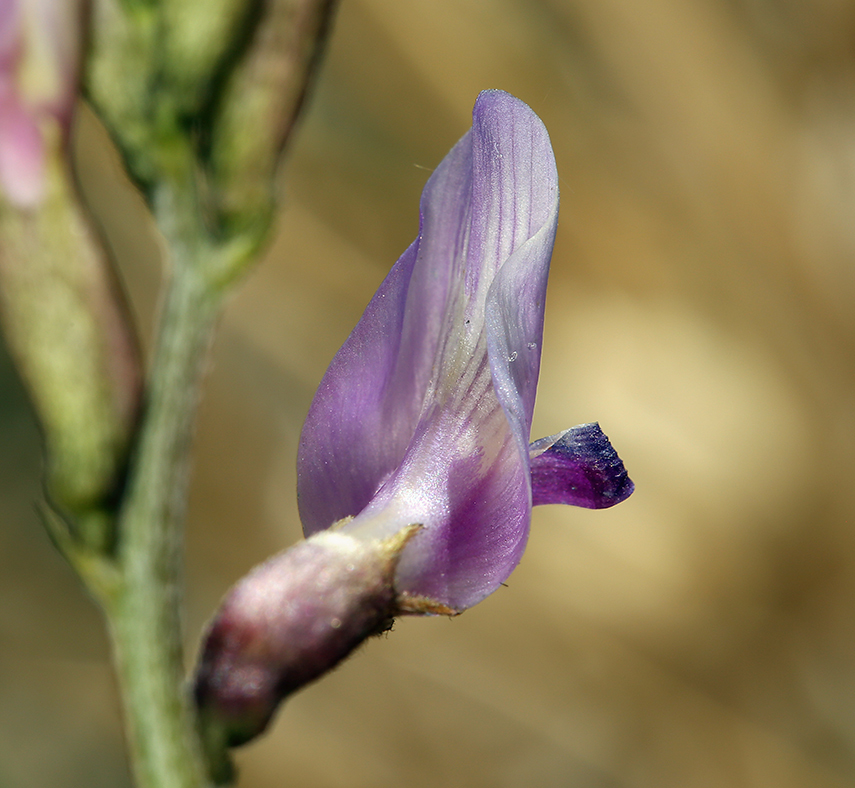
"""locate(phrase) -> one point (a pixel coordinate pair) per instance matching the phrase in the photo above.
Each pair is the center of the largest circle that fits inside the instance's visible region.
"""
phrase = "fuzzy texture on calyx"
(288, 622)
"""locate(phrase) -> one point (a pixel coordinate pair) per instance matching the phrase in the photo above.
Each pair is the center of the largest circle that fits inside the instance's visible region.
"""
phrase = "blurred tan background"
(701, 307)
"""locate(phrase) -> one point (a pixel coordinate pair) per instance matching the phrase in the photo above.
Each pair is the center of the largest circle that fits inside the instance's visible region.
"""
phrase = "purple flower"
(415, 476)
(424, 415)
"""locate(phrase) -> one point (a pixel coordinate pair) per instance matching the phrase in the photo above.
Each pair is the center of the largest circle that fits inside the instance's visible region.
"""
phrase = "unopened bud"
(67, 327)
(203, 97)
(259, 107)
(287, 623)
(62, 312)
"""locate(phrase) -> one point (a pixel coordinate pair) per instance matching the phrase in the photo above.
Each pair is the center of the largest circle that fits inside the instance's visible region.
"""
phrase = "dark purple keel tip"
(578, 467)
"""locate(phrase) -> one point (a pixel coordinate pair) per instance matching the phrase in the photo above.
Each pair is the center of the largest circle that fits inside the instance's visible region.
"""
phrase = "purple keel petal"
(578, 467)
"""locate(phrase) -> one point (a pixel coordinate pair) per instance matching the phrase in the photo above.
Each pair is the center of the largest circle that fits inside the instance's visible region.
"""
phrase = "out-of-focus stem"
(144, 615)
(151, 80)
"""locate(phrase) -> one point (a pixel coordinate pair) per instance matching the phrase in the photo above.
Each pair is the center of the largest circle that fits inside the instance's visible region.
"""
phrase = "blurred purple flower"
(424, 414)
(39, 58)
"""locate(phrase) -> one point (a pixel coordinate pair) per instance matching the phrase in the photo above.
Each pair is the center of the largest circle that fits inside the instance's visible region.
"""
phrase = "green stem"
(145, 612)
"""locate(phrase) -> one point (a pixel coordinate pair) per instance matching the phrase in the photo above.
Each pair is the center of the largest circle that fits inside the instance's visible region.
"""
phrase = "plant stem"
(213, 213)
(144, 613)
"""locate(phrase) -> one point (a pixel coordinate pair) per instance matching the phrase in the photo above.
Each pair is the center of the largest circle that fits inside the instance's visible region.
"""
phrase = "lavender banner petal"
(579, 467)
(465, 475)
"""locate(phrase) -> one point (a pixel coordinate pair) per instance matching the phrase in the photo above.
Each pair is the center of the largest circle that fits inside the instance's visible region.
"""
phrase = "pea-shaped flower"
(416, 479)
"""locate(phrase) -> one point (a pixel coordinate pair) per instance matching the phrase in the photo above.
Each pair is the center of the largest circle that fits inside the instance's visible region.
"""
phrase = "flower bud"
(259, 107)
(288, 622)
(62, 313)
(66, 326)
(204, 96)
